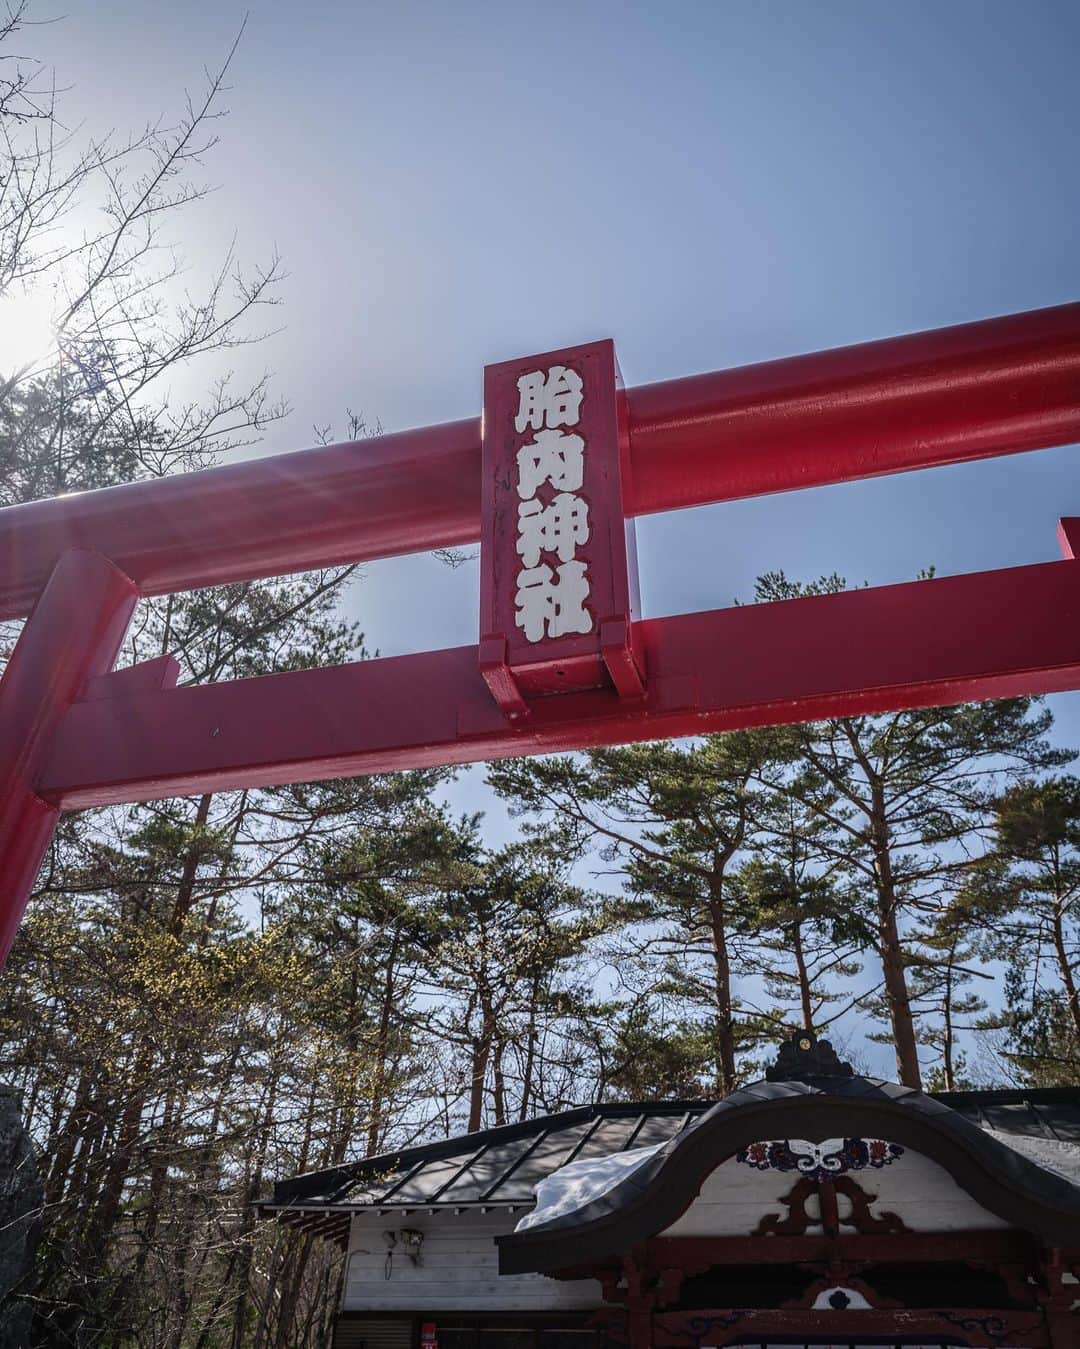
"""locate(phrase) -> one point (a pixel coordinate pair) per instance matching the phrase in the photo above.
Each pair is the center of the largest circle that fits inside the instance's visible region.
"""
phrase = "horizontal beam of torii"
(943, 397)
(72, 734)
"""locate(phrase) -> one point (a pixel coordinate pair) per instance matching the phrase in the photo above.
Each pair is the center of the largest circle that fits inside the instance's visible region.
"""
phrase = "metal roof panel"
(502, 1165)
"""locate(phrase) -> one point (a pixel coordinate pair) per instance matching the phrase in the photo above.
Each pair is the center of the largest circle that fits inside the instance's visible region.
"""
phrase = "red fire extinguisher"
(429, 1336)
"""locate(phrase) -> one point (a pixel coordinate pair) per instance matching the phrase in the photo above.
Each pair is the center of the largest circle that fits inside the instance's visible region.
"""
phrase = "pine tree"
(808, 927)
(513, 933)
(1030, 902)
(903, 797)
(680, 820)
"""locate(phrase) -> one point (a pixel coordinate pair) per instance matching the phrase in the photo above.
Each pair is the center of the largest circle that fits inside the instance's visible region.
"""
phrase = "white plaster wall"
(734, 1197)
(459, 1269)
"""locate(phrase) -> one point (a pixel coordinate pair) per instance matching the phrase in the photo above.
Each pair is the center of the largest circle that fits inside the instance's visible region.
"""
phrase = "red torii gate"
(74, 734)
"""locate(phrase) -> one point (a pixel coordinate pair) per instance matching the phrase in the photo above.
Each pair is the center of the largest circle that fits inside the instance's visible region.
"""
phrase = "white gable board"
(734, 1197)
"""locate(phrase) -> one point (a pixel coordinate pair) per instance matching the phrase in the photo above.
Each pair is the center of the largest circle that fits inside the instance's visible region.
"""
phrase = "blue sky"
(709, 183)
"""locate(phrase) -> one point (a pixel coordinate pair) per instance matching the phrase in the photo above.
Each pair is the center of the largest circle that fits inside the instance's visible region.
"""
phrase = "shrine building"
(812, 1208)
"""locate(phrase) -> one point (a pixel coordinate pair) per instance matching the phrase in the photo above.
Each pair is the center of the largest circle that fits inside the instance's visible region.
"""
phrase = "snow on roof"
(578, 1183)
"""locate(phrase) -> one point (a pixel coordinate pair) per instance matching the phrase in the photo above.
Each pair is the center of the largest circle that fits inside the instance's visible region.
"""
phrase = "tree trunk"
(123, 1154)
(498, 1081)
(805, 994)
(290, 1297)
(159, 1171)
(382, 1048)
(63, 1151)
(1072, 994)
(245, 1237)
(185, 890)
(947, 1028)
(891, 949)
(530, 1054)
(480, 1055)
(725, 1030)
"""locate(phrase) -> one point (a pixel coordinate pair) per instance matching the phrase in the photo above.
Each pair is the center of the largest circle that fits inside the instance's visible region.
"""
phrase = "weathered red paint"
(922, 643)
(643, 1290)
(73, 735)
(994, 387)
(975, 1327)
(1000, 1246)
(73, 634)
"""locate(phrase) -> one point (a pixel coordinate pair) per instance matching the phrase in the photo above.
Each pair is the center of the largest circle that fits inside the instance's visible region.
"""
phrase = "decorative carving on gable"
(819, 1161)
(829, 1218)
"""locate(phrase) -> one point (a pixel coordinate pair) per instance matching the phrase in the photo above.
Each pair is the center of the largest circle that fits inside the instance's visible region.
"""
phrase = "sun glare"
(27, 334)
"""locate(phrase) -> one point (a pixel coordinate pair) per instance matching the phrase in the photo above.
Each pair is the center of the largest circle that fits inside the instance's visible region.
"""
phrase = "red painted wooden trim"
(994, 387)
(977, 1327)
(924, 643)
(989, 1246)
(73, 635)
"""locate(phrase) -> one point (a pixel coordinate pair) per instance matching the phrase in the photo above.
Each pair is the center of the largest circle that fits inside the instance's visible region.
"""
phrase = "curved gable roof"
(502, 1165)
(652, 1197)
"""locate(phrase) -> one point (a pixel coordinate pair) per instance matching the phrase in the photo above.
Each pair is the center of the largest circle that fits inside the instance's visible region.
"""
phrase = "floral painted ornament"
(819, 1161)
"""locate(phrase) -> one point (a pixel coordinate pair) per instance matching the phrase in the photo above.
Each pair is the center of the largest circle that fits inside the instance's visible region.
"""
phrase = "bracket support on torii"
(72, 734)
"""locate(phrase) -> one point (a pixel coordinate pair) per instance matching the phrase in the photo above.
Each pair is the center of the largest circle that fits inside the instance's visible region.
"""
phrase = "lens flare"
(27, 332)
